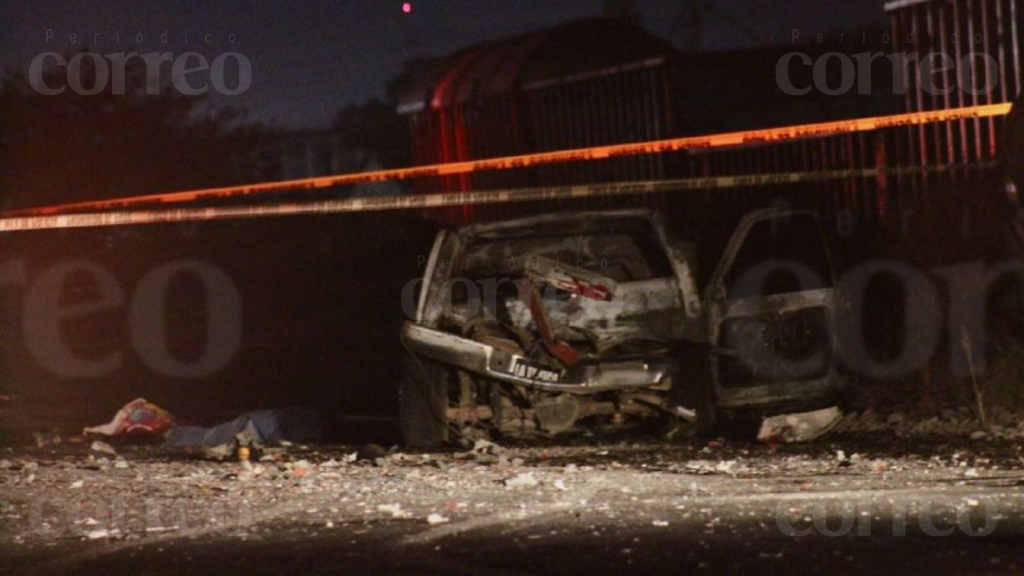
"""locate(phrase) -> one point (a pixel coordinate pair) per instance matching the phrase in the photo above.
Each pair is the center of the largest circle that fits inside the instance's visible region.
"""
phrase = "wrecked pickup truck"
(547, 324)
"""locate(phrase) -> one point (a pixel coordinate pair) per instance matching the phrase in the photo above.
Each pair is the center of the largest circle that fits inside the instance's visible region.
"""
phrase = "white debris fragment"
(560, 484)
(102, 533)
(524, 479)
(394, 509)
(219, 452)
(482, 446)
(803, 427)
(725, 466)
(436, 518)
(102, 448)
(705, 467)
(660, 523)
(77, 484)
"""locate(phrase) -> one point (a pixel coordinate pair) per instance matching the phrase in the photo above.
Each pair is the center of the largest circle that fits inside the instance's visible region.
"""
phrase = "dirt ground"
(849, 502)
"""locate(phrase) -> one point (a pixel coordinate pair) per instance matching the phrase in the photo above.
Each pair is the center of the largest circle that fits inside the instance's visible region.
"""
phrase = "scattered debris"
(843, 460)
(102, 448)
(371, 452)
(482, 446)
(221, 452)
(705, 467)
(48, 438)
(663, 486)
(519, 480)
(300, 469)
(804, 427)
(395, 510)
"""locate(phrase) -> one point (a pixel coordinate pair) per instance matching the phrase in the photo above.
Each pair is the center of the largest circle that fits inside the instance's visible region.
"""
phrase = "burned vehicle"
(552, 323)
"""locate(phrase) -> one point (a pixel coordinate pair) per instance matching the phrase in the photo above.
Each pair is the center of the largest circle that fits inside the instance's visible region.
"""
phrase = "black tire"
(423, 402)
(740, 427)
(699, 391)
(694, 390)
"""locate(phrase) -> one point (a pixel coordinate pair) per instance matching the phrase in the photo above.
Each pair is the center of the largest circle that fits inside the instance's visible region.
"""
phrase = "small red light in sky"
(407, 7)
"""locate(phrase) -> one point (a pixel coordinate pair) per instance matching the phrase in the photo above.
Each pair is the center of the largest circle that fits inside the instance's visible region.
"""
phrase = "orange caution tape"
(724, 140)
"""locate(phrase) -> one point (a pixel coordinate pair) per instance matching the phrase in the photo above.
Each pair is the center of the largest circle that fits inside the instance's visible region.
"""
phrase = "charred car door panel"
(770, 307)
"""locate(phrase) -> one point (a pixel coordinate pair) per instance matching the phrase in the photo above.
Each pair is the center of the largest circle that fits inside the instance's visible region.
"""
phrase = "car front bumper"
(502, 366)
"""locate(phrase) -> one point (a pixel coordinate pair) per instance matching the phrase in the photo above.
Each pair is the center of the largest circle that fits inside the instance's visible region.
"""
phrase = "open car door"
(771, 305)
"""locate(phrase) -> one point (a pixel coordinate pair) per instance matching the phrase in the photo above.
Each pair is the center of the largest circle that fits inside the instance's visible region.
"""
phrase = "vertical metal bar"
(562, 132)
(630, 132)
(974, 79)
(989, 96)
(1003, 69)
(919, 99)
(541, 130)
(1015, 48)
(604, 166)
(851, 183)
(649, 85)
(958, 27)
(663, 116)
(933, 144)
(947, 82)
(621, 126)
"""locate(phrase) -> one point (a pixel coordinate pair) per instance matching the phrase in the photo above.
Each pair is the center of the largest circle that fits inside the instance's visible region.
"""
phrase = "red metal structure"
(603, 81)
(586, 83)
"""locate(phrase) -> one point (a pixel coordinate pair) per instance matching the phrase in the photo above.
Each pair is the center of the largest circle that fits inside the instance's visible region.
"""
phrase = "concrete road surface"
(848, 504)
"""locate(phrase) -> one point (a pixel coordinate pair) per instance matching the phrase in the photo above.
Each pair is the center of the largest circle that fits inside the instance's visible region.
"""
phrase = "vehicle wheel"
(423, 402)
(693, 389)
(741, 427)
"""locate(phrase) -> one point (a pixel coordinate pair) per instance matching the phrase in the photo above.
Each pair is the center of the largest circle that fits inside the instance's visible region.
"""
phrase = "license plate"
(524, 368)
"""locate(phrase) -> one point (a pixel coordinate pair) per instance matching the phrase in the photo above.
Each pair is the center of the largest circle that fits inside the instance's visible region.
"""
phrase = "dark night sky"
(309, 58)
